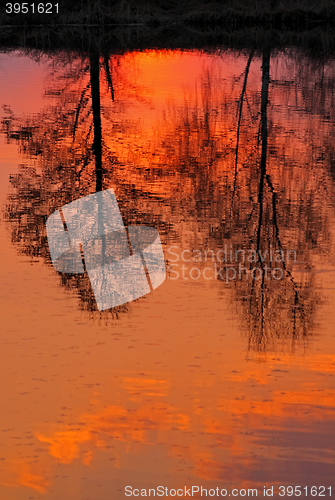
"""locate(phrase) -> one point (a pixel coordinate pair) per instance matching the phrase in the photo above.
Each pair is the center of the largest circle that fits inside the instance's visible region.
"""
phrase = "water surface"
(224, 375)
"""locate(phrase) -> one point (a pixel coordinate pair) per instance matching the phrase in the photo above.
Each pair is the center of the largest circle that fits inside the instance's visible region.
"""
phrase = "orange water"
(201, 382)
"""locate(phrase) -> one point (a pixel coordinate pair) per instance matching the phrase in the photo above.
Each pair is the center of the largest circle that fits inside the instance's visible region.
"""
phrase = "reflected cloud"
(114, 423)
(18, 473)
(223, 434)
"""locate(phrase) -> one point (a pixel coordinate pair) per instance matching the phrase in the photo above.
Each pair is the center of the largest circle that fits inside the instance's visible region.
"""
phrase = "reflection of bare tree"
(283, 310)
(268, 317)
(96, 111)
(246, 196)
(70, 159)
(240, 110)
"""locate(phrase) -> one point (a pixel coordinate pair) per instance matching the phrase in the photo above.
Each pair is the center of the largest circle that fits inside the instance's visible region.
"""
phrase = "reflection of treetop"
(221, 166)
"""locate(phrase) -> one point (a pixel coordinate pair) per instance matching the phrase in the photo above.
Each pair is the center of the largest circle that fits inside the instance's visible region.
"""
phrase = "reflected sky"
(227, 384)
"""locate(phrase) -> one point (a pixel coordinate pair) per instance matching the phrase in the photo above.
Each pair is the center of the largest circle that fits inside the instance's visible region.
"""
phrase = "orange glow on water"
(194, 382)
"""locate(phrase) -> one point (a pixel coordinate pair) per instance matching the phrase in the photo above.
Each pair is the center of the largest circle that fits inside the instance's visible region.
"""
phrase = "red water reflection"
(184, 386)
